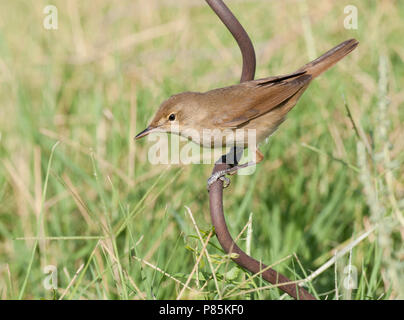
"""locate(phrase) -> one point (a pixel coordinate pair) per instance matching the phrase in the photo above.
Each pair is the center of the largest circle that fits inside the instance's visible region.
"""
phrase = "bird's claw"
(219, 175)
(226, 181)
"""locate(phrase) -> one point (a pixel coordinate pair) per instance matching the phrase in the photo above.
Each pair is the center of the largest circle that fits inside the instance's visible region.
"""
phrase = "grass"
(327, 199)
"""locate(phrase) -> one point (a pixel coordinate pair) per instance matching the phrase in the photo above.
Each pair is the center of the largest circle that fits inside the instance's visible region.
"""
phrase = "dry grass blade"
(184, 285)
(243, 283)
(72, 281)
(339, 254)
(195, 266)
(206, 251)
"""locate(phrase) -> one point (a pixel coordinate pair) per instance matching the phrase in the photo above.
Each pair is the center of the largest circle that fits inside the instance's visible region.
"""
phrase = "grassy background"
(95, 203)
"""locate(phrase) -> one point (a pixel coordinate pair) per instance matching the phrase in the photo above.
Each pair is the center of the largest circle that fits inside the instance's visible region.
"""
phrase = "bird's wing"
(249, 100)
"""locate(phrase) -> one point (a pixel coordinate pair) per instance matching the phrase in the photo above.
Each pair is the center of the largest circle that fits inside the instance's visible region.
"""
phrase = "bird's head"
(175, 114)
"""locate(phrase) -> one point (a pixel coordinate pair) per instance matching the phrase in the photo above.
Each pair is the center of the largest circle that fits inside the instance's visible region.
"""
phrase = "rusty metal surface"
(216, 189)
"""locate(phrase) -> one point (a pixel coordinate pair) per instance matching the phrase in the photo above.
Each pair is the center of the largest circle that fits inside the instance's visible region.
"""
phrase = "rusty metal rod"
(216, 189)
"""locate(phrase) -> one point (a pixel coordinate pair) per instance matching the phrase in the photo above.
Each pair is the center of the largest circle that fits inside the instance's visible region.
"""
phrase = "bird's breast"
(219, 137)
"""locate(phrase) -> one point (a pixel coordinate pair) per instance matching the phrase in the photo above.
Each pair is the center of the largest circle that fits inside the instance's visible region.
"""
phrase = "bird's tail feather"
(328, 59)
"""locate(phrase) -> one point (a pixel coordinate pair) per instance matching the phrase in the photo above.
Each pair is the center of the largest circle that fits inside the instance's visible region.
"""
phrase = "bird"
(257, 106)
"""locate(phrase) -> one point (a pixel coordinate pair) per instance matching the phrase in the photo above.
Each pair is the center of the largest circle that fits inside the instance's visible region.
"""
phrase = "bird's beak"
(145, 132)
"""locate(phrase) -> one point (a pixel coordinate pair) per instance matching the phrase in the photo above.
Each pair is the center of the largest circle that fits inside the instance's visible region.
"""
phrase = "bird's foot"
(222, 174)
(219, 175)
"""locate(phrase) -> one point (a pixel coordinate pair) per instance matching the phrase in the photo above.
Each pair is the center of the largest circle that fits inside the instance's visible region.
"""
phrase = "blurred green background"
(117, 227)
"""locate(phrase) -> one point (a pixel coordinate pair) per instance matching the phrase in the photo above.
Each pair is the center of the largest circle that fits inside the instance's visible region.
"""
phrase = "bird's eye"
(171, 117)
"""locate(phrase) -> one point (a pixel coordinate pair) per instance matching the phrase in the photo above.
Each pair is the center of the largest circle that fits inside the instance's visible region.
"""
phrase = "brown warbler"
(257, 105)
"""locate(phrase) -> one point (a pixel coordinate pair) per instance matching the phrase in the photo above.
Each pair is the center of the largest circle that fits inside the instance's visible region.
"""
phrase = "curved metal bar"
(216, 189)
(240, 35)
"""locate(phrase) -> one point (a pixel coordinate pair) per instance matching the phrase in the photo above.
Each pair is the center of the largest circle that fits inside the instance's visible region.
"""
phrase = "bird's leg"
(233, 157)
(221, 174)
